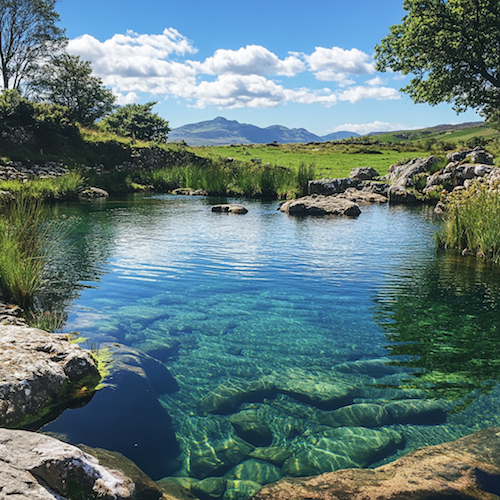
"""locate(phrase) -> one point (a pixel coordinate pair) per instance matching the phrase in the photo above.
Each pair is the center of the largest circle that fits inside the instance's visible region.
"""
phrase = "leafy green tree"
(68, 81)
(452, 47)
(28, 35)
(137, 121)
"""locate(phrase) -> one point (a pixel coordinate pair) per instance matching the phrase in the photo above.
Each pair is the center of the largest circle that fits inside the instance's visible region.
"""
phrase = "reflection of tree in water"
(443, 323)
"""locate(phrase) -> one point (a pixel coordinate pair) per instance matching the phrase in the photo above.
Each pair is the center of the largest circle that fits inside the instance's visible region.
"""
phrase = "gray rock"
(399, 195)
(374, 187)
(41, 373)
(38, 467)
(320, 205)
(359, 196)
(230, 208)
(330, 187)
(93, 193)
(480, 156)
(363, 173)
(401, 176)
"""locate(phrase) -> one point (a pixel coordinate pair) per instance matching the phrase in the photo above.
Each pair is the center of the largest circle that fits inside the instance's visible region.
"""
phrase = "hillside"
(219, 132)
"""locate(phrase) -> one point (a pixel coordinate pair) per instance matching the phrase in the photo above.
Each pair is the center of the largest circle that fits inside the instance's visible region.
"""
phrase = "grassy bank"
(471, 222)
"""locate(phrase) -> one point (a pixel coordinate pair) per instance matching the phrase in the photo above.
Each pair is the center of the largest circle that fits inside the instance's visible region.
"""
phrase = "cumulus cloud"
(376, 126)
(162, 64)
(250, 60)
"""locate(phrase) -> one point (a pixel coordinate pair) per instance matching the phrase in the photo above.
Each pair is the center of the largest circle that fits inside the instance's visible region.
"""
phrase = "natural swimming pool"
(301, 345)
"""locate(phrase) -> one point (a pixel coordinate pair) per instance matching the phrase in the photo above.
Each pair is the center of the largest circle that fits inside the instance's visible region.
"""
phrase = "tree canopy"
(452, 47)
(67, 80)
(137, 121)
(28, 35)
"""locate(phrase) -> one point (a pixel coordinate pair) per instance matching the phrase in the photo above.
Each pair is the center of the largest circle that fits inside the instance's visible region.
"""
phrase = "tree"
(28, 35)
(452, 47)
(137, 121)
(67, 80)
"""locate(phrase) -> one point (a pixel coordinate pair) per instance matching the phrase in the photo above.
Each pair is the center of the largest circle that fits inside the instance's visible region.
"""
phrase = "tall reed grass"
(472, 221)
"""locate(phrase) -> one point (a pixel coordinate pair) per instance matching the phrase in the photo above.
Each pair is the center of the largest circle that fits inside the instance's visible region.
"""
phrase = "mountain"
(219, 132)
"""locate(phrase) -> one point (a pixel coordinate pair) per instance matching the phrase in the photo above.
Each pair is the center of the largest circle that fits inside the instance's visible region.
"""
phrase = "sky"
(264, 62)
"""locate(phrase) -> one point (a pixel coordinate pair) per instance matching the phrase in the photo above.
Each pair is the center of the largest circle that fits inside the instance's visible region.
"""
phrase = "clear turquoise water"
(266, 295)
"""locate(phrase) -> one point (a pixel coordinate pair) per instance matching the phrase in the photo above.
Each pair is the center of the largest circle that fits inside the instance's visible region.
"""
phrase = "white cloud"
(130, 98)
(375, 81)
(376, 126)
(355, 94)
(337, 60)
(327, 75)
(250, 60)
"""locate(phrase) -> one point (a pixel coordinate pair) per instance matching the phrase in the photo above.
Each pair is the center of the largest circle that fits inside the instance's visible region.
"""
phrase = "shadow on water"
(442, 323)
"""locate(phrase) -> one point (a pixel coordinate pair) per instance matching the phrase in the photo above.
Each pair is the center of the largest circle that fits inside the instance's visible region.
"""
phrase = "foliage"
(471, 221)
(67, 81)
(494, 119)
(28, 35)
(137, 121)
(49, 321)
(453, 50)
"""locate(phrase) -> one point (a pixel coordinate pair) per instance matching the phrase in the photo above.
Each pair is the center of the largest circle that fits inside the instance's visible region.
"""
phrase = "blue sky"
(292, 63)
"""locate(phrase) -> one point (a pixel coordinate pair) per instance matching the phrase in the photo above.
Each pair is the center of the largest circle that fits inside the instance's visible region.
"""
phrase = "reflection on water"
(442, 321)
(277, 330)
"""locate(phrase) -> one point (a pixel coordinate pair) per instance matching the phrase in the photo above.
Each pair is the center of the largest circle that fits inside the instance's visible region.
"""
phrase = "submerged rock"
(240, 490)
(38, 467)
(320, 205)
(272, 454)
(362, 415)
(255, 470)
(464, 469)
(41, 373)
(211, 488)
(417, 411)
(249, 425)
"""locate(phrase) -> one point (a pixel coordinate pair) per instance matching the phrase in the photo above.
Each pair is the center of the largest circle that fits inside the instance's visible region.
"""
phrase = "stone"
(416, 411)
(163, 351)
(464, 469)
(227, 399)
(126, 416)
(373, 367)
(255, 470)
(363, 173)
(211, 488)
(38, 467)
(231, 208)
(374, 187)
(272, 454)
(177, 488)
(401, 179)
(93, 193)
(183, 191)
(400, 195)
(356, 415)
(329, 187)
(357, 196)
(41, 374)
(320, 205)
(216, 457)
(480, 156)
(250, 426)
(240, 490)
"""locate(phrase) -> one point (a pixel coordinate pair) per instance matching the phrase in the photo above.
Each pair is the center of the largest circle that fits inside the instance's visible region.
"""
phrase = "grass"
(472, 222)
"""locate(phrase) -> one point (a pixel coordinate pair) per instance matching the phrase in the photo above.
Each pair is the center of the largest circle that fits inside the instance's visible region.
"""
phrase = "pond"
(294, 346)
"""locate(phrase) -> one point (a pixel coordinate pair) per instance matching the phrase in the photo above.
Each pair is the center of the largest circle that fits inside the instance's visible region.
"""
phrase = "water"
(313, 307)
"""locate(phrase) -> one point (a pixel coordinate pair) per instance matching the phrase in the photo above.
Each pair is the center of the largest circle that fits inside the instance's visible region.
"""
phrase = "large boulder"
(320, 205)
(363, 173)
(330, 187)
(464, 469)
(41, 374)
(230, 208)
(38, 467)
(361, 196)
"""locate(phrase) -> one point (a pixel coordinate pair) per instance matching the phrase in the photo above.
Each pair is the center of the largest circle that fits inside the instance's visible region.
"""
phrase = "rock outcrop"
(464, 469)
(320, 205)
(41, 373)
(17, 171)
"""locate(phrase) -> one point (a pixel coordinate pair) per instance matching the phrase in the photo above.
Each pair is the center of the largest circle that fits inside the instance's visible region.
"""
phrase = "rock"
(272, 454)
(35, 467)
(357, 415)
(329, 187)
(145, 488)
(363, 173)
(126, 415)
(41, 374)
(227, 399)
(357, 196)
(240, 490)
(320, 205)
(11, 315)
(93, 193)
(163, 351)
(374, 187)
(183, 191)
(373, 367)
(400, 195)
(478, 155)
(210, 488)
(464, 469)
(177, 488)
(216, 457)
(457, 156)
(416, 411)
(249, 425)
(255, 470)
(401, 176)
(232, 208)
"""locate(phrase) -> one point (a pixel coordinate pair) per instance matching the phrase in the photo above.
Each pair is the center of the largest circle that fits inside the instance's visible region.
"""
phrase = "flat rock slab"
(40, 371)
(320, 205)
(38, 467)
(357, 196)
(230, 208)
(467, 468)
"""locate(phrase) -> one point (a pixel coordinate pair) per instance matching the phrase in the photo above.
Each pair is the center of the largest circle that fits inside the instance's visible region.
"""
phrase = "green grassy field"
(331, 160)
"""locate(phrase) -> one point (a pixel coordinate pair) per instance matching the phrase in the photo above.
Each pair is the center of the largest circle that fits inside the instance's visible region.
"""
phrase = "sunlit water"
(267, 295)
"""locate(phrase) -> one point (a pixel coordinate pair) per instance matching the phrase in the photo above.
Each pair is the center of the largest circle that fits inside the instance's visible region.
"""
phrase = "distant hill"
(220, 132)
